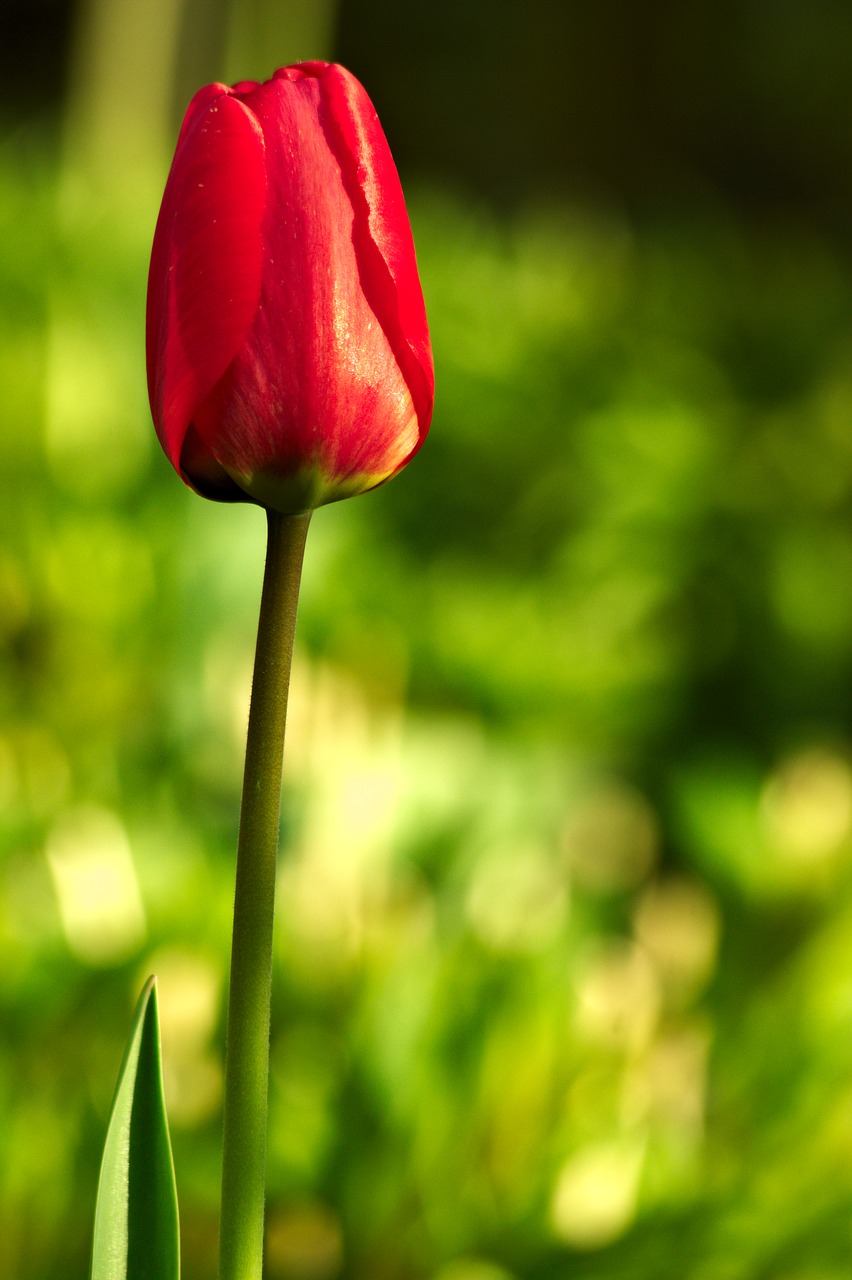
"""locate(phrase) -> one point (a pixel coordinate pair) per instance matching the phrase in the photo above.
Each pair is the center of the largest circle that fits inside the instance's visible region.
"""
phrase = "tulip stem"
(247, 1055)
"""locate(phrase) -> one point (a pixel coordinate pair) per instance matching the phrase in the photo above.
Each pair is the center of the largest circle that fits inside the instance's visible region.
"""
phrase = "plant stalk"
(247, 1053)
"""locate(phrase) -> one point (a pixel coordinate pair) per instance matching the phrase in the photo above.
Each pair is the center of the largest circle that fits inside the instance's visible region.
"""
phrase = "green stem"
(247, 1058)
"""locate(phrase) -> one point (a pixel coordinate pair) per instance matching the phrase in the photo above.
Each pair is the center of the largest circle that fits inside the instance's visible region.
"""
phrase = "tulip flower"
(289, 365)
(289, 360)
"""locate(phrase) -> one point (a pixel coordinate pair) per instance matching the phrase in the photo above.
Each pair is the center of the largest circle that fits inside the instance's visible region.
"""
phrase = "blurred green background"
(563, 980)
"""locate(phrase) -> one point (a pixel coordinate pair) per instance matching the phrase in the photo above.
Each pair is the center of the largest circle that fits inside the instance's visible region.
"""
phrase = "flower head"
(289, 360)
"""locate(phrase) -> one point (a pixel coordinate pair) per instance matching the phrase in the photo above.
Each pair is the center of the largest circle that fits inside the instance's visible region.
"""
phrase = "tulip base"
(247, 1055)
(310, 486)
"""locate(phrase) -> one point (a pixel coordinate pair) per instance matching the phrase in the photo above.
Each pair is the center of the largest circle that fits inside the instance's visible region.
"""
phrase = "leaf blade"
(136, 1216)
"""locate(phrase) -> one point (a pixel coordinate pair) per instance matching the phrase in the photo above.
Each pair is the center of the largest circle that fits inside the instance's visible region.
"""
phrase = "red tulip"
(289, 360)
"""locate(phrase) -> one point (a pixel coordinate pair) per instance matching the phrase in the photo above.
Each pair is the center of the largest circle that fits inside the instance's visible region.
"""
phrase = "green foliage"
(562, 975)
(136, 1219)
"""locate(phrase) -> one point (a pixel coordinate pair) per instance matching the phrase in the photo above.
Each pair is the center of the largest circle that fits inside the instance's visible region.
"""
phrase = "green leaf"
(136, 1219)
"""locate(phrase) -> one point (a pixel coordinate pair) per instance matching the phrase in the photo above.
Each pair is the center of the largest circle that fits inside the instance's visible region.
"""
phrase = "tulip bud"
(289, 360)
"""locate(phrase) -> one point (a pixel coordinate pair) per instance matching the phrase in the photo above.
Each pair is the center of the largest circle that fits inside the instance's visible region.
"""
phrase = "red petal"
(207, 259)
(382, 233)
(204, 98)
(300, 69)
(325, 379)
